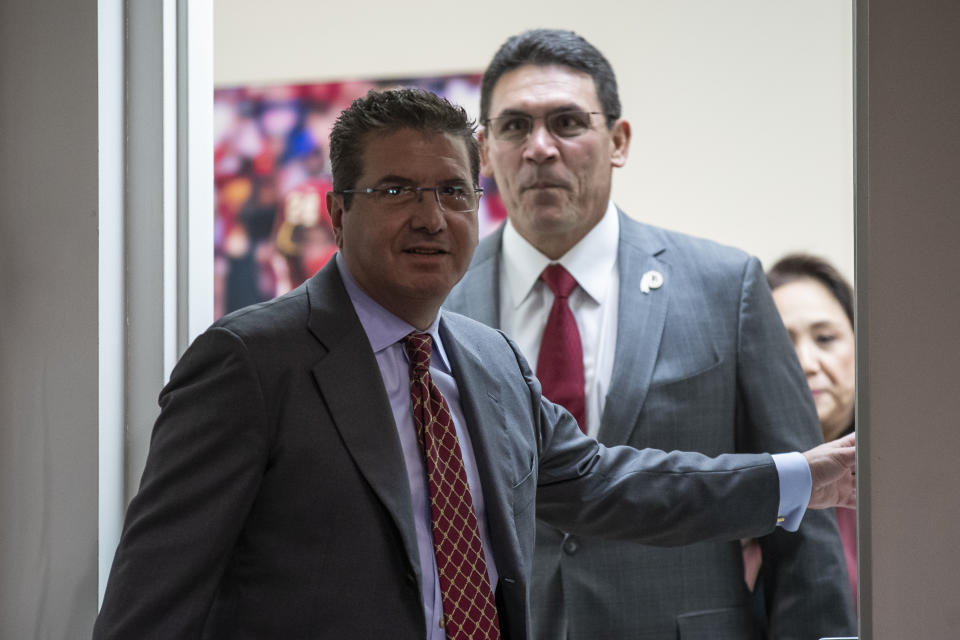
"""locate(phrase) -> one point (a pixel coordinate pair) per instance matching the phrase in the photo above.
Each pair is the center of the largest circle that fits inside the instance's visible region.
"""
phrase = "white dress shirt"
(525, 302)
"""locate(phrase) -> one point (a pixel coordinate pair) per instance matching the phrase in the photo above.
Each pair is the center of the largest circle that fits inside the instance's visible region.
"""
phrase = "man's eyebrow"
(509, 111)
(455, 180)
(393, 178)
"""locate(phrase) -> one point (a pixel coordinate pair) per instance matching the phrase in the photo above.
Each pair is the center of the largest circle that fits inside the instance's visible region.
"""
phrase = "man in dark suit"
(677, 346)
(346, 461)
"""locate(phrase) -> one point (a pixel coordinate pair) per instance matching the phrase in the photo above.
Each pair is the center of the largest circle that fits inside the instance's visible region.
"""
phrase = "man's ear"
(335, 208)
(620, 139)
(485, 169)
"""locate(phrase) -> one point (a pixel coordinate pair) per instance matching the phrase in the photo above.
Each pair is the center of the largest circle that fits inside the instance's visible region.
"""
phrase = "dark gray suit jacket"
(275, 502)
(701, 364)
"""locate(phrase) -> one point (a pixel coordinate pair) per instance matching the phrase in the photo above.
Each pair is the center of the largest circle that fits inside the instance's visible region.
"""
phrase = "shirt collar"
(589, 261)
(383, 329)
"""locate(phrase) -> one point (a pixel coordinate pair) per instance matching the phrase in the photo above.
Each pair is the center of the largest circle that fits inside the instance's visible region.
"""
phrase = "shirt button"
(571, 545)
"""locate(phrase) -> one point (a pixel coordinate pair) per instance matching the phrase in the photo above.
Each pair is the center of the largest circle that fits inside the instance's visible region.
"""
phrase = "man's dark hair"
(383, 112)
(798, 266)
(553, 46)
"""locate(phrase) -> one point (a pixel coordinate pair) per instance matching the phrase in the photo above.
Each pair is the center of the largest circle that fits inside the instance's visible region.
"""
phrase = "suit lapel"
(366, 424)
(478, 295)
(640, 322)
(486, 422)
(640, 318)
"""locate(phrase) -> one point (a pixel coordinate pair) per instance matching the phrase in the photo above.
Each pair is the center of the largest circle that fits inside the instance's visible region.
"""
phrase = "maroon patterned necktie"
(560, 364)
(469, 611)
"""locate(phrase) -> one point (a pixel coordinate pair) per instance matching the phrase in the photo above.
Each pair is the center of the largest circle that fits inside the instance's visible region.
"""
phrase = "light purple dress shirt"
(385, 332)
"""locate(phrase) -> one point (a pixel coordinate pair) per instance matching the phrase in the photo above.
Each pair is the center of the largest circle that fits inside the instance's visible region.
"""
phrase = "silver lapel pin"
(651, 280)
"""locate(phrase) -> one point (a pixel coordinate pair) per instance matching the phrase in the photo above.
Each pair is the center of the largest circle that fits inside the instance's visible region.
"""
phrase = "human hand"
(833, 469)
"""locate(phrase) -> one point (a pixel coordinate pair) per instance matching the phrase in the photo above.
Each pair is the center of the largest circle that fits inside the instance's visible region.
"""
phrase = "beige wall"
(741, 112)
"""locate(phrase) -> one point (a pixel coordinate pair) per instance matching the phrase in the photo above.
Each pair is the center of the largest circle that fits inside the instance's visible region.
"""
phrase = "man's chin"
(430, 286)
(552, 197)
(550, 218)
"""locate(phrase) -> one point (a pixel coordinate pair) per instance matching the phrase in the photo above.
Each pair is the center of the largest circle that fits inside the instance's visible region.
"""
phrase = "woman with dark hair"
(816, 304)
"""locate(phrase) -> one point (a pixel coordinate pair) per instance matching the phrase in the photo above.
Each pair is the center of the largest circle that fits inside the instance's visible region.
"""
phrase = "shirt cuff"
(795, 486)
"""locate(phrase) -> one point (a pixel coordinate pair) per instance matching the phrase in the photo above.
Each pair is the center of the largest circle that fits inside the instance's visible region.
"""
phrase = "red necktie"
(560, 364)
(469, 611)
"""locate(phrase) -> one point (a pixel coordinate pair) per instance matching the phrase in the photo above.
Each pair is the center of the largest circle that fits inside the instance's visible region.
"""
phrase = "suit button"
(571, 545)
(411, 578)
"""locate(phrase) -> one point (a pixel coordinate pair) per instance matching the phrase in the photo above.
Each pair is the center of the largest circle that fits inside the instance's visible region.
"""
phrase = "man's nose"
(427, 213)
(540, 145)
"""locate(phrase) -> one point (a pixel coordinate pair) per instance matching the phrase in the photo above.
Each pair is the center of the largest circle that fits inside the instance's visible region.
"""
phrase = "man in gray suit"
(679, 348)
(346, 461)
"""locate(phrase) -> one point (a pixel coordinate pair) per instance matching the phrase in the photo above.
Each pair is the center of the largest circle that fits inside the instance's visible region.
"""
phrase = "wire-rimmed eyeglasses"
(455, 197)
(516, 126)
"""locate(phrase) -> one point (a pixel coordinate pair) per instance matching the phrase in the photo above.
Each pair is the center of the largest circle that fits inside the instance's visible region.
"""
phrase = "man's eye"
(393, 192)
(451, 191)
(570, 123)
(514, 125)
(825, 338)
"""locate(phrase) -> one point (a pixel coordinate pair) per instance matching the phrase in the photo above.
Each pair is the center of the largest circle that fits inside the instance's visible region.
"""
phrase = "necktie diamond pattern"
(560, 363)
(469, 611)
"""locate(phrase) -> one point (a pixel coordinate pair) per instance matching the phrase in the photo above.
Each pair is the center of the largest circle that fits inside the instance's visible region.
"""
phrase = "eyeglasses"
(456, 198)
(515, 127)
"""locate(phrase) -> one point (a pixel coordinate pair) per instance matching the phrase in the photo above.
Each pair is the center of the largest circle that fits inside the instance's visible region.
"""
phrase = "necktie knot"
(419, 348)
(559, 280)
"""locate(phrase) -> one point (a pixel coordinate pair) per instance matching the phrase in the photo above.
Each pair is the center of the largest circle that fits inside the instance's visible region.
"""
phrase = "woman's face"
(823, 338)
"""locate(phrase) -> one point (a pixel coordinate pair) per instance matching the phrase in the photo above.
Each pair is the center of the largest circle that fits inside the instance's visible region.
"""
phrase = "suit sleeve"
(648, 495)
(207, 455)
(804, 576)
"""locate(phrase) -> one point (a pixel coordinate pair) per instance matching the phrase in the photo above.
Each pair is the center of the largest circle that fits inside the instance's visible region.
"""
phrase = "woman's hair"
(797, 266)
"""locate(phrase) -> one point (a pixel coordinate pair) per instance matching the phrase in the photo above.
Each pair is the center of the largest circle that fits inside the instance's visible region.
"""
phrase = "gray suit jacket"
(701, 364)
(275, 502)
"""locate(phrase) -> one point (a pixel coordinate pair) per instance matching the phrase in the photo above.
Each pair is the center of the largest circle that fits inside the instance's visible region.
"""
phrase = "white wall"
(741, 111)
